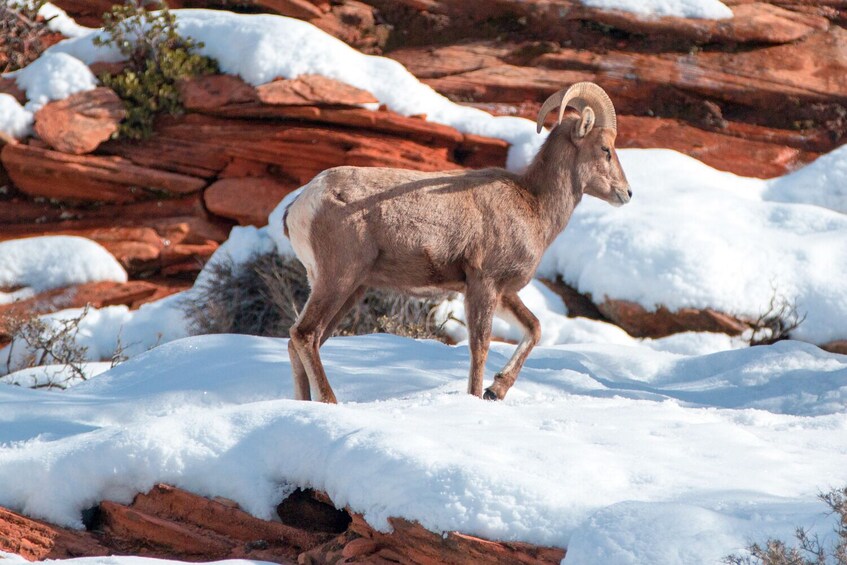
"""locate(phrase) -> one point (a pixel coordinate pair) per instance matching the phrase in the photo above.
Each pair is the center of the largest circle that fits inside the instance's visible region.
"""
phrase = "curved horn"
(579, 96)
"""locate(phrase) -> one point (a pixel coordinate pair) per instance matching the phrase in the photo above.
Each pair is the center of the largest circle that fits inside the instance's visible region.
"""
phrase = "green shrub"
(157, 57)
(21, 33)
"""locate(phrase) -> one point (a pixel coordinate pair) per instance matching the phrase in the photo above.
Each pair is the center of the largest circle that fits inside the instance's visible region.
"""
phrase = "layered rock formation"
(171, 523)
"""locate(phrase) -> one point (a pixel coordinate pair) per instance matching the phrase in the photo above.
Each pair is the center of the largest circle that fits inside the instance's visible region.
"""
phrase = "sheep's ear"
(585, 123)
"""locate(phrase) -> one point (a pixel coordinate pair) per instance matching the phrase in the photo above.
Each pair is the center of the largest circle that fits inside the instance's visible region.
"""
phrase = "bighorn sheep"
(479, 232)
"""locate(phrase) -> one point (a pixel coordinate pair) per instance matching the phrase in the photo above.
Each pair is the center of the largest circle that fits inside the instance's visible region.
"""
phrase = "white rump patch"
(300, 216)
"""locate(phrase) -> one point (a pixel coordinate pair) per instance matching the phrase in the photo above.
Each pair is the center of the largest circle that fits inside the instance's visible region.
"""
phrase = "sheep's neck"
(555, 186)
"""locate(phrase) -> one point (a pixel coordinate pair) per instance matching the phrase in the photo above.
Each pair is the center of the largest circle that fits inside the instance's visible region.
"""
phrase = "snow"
(59, 21)
(57, 376)
(36, 264)
(14, 119)
(695, 237)
(706, 9)
(53, 76)
(601, 434)
(822, 183)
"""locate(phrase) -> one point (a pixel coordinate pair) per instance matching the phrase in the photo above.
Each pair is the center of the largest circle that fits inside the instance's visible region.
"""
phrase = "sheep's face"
(598, 168)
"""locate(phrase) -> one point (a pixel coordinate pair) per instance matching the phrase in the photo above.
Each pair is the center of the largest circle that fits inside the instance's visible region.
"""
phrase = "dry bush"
(776, 324)
(809, 550)
(48, 343)
(22, 33)
(265, 295)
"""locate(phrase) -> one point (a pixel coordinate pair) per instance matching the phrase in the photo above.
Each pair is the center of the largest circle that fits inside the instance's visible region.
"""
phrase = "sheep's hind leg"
(298, 371)
(307, 334)
(298, 374)
(480, 302)
(512, 308)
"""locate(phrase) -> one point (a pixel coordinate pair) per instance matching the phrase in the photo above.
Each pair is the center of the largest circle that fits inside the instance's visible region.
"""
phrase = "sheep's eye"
(608, 153)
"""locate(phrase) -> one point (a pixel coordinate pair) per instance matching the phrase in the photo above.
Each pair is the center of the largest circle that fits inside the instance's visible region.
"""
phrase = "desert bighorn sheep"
(479, 232)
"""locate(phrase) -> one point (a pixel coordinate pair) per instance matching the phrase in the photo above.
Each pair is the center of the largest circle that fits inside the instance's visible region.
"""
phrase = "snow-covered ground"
(621, 453)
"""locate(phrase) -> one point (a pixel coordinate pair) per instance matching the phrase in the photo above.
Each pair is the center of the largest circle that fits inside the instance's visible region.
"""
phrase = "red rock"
(639, 322)
(409, 542)
(560, 20)
(169, 522)
(186, 258)
(356, 24)
(723, 152)
(248, 200)
(102, 67)
(80, 122)
(478, 152)
(311, 90)
(10, 86)
(97, 294)
(192, 157)
(838, 346)
(51, 174)
(213, 91)
(36, 541)
(302, 9)
(359, 547)
(176, 220)
(756, 23)
(281, 147)
(121, 522)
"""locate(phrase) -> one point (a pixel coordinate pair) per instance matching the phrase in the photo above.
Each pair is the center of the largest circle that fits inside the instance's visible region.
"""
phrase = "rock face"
(80, 122)
(247, 200)
(86, 178)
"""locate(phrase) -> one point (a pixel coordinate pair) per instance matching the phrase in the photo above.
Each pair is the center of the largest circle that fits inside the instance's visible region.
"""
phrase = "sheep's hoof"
(489, 395)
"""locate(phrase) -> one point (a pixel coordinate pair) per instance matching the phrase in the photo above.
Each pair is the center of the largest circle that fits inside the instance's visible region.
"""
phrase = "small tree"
(48, 343)
(157, 57)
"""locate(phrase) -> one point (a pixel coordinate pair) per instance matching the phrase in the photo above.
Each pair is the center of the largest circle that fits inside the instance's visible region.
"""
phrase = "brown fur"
(478, 232)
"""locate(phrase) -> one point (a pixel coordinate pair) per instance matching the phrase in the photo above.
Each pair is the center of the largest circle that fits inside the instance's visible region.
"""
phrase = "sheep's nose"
(629, 192)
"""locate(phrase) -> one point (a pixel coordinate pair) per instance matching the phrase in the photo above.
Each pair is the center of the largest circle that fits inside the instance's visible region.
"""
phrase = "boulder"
(247, 200)
(87, 178)
(80, 122)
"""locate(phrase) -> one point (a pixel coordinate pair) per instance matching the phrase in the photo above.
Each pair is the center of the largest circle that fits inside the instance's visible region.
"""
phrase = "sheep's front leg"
(514, 310)
(480, 303)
